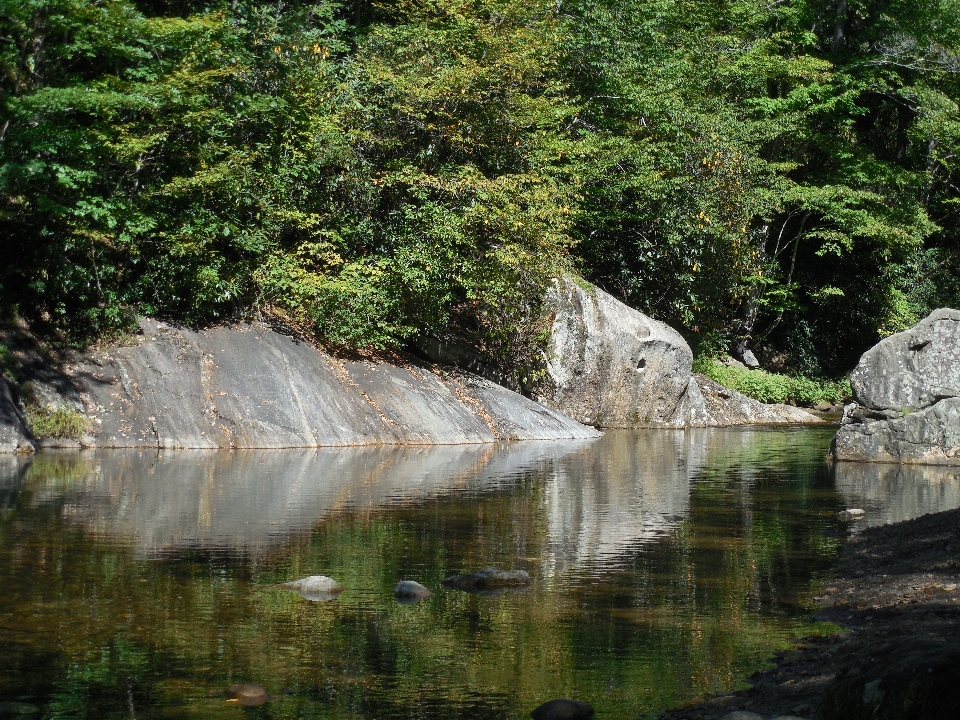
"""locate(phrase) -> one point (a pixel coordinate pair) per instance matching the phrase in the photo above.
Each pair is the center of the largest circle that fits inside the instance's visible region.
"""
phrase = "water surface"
(665, 564)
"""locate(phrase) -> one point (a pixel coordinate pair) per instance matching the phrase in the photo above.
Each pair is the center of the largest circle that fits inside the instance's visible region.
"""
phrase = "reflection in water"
(663, 564)
(892, 493)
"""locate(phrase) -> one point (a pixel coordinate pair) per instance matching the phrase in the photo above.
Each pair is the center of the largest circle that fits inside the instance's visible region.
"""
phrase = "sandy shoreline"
(896, 595)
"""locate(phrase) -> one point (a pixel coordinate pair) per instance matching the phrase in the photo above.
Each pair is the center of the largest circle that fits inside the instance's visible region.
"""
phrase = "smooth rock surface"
(609, 365)
(907, 393)
(487, 579)
(563, 709)
(248, 694)
(250, 387)
(14, 436)
(409, 591)
(316, 588)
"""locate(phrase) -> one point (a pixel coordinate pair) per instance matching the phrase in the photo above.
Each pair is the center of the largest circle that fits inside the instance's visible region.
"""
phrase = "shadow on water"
(664, 564)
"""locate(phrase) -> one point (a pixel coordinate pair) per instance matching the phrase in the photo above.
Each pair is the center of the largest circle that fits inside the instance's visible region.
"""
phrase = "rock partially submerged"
(408, 592)
(907, 393)
(489, 579)
(563, 709)
(316, 588)
(248, 695)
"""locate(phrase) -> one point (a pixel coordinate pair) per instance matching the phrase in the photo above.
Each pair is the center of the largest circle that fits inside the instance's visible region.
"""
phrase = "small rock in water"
(248, 694)
(742, 715)
(563, 709)
(315, 588)
(18, 708)
(851, 514)
(408, 592)
(488, 579)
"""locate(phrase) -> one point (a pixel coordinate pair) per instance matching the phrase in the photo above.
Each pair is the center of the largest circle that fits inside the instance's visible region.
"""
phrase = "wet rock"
(488, 579)
(408, 592)
(248, 694)
(563, 709)
(316, 588)
(18, 708)
(14, 436)
(741, 715)
(851, 514)
(907, 393)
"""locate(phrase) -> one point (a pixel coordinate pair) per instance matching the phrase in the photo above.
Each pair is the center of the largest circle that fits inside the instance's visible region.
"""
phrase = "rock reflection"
(892, 493)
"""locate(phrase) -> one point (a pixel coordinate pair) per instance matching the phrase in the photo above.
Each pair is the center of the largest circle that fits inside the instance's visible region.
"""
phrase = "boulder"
(563, 709)
(316, 588)
(408, 592)
(248, 695)
(488, 579)
(609, 365)
(907, 397)
(14, 435)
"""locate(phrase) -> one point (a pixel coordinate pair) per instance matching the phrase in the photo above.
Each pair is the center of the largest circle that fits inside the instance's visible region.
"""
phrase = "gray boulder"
(408, 592)
(14, 436)
(316, 588)
(609, 365)
(907, 397)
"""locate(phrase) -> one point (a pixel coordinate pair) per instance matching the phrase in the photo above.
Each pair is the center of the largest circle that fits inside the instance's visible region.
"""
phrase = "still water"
(664, 565)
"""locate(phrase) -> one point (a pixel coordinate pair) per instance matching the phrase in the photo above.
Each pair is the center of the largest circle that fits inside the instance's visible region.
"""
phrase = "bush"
(61, 422)
(775, 388)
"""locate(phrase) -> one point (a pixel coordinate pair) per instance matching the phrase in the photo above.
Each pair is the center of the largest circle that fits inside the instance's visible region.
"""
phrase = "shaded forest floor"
(896, 594)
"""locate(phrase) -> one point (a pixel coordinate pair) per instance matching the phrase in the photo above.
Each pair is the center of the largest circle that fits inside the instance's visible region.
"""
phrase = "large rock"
(907, 397)
(14, 436)
(250, 387)
(611, 366)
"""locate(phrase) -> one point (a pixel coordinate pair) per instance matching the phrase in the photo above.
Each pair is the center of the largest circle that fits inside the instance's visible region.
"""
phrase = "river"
(664, 564)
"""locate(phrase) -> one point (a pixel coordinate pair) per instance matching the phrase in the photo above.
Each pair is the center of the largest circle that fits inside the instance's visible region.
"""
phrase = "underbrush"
(61, 422)
(775, 388)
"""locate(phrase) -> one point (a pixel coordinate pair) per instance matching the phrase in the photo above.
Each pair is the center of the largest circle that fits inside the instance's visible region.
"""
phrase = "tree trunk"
(840, 29)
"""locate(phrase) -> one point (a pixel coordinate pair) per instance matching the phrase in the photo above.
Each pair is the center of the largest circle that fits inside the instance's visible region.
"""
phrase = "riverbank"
(896, 596)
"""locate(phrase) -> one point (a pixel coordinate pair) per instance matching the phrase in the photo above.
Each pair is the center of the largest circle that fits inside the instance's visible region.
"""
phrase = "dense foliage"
(780, 176)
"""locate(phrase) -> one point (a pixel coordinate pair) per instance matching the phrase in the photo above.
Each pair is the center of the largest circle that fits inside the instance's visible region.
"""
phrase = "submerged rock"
(248, 694)
(907, 393)
(563, 709)
(408, 592)
(488, 579)
(18, 708)
(317, 588)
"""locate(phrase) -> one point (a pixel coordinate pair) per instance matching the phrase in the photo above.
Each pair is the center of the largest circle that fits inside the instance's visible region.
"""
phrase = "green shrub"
(772, 387)
(61, 422)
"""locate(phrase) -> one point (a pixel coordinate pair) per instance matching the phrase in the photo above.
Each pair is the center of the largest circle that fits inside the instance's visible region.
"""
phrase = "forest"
(773, 175)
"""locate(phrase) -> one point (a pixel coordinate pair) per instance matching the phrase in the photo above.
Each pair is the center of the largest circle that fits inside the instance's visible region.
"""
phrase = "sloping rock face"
(14, 436)
(611, 366)
(250, 387)
(907, 393)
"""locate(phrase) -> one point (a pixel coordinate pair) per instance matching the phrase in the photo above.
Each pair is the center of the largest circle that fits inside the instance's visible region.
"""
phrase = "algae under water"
(664, 564)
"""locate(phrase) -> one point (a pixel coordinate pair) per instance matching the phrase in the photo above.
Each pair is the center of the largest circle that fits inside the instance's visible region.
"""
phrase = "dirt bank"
(896, 594)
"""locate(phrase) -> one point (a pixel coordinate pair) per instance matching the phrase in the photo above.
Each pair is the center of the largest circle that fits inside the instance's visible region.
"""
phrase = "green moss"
(61, 422)
(775, 388)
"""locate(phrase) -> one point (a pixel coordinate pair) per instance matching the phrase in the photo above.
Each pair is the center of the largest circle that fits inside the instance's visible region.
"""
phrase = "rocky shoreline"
(896, 596)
